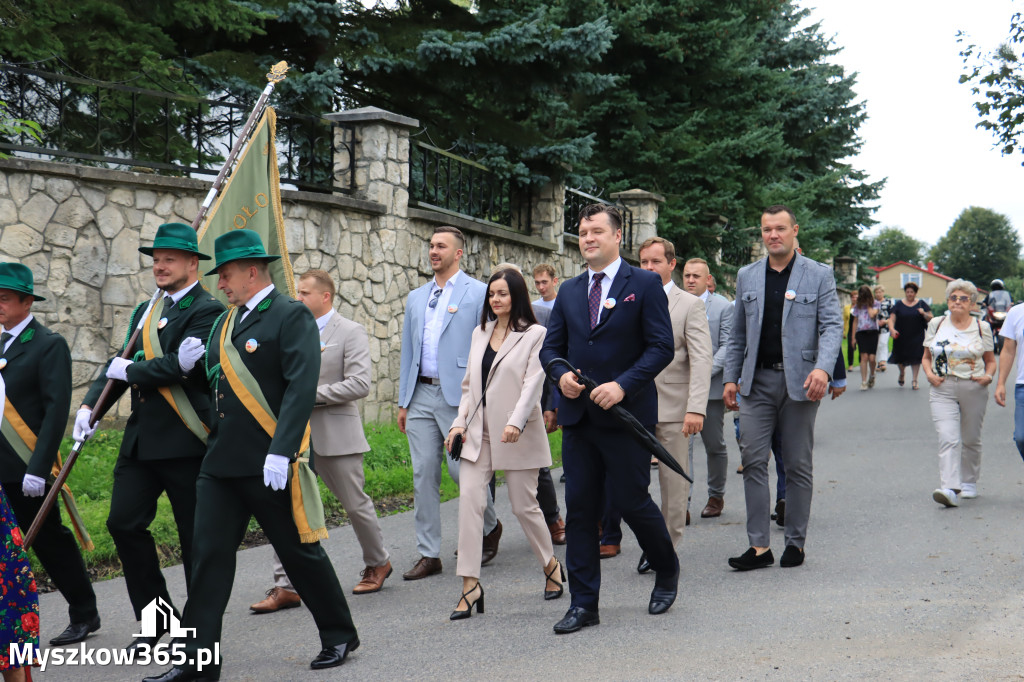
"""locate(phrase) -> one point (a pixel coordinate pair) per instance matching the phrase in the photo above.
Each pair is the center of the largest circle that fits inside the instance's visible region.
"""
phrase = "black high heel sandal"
(479, 603)
(551, 594)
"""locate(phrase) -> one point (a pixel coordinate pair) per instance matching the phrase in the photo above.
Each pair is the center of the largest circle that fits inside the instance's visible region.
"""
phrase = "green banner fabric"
(251, 199)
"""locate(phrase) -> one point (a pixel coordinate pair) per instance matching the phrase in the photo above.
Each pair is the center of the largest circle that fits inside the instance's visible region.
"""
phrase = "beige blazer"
(683, 385)
(335, 426)
(513, 397)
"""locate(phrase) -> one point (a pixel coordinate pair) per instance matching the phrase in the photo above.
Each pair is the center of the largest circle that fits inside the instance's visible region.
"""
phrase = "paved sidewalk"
(894, 586)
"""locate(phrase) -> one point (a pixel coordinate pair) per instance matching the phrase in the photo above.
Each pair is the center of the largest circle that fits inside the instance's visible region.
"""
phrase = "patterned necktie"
(594, 299)
(4, 338)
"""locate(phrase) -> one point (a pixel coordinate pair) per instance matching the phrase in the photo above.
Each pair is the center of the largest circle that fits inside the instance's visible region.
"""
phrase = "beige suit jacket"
(513, 397)
(683, 385)
(335, 426)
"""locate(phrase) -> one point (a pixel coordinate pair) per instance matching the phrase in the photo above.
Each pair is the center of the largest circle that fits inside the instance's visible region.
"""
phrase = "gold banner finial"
(278, 72)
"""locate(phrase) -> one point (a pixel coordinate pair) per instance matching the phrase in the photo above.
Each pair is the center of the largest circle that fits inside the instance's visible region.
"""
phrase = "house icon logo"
(158, 617)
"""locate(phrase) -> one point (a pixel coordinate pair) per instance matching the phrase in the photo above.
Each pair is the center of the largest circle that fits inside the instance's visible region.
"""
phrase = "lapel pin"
(453, 309)
(251, 346)
(322, 346)
(790, 295)
(3, 362)
(162, 323)
(609, 303)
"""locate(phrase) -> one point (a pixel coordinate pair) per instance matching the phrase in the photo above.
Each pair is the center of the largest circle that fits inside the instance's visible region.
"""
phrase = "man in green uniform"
(36, 366)
(165, 438)
(263, 358)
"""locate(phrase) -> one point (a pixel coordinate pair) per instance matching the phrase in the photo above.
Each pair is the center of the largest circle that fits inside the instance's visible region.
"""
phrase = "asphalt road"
(894, 586)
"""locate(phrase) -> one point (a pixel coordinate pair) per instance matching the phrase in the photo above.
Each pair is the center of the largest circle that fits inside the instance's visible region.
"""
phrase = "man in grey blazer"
(696, 280)
(785, 339)
(439, 321)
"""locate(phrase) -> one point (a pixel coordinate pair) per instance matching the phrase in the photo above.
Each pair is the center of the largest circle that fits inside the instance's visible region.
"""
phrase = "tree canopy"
(997, 79)
(980, 246)
(892, 244)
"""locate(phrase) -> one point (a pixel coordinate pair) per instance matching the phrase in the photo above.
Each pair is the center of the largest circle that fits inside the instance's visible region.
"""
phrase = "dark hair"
(911, 285)
(780, 208)
(521, 316)
(591, 210)
(865, 299)
(454, 231)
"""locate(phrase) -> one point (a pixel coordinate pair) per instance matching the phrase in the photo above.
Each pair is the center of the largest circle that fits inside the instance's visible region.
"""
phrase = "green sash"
(174, 395)
(307, 507)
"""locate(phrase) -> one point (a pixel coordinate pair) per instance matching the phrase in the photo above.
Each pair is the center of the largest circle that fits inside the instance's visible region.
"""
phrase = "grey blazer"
(812, 326)
(719, 310)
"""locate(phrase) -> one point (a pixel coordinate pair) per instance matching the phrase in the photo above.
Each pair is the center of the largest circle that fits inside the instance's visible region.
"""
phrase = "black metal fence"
(576, 200)
(445, 181)
(123, 127)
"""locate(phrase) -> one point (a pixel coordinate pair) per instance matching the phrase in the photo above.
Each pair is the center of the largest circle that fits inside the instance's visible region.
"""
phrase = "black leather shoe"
(644, 566)
(793, 556)
(334, 656)
(76, 632)
(576, 618)
(750, 560)
(180, 675)
(666, 587)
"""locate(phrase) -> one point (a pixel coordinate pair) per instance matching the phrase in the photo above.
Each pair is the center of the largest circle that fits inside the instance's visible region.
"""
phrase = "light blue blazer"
(453, 347)
(812, 325)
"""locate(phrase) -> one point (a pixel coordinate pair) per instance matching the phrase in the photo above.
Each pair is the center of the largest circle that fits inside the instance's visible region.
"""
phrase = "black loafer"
(576, 618)
(334, 656)
(181, 675)
(750, 560)
(793, 556)
(664, 593)
(644, 566)
(76, 632)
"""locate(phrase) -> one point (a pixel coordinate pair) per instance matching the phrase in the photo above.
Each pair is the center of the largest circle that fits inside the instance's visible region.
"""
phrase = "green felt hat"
(177, 236)
(17, 277)
(239, 245)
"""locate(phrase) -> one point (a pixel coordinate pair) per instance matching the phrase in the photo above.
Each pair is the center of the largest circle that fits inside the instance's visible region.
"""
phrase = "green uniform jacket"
(154, 431)
(286, 363)
(38, 379)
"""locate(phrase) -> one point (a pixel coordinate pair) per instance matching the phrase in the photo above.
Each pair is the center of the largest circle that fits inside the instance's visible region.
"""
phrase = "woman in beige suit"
(500, 421)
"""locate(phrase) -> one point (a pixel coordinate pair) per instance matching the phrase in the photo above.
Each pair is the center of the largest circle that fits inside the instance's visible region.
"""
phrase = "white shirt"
(433, 320)
(322, 321)
(17, 330)
(175, 298)
(256, 300)
(668, 287)
(545, 304)
(606, 283)
(1013, 329)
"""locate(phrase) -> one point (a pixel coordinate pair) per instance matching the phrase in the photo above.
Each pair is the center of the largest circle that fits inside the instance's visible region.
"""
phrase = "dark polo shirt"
(769, 349)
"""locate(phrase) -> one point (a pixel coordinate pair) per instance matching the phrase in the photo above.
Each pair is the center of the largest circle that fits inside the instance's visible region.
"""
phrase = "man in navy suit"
(612, 323)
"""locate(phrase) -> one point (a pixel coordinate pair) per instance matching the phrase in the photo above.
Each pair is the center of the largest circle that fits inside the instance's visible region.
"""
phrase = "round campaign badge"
(251, 346)
(609, 303)
(790, 295)
(162, 323)
(453, 309)
(3, 362)
(322, 346)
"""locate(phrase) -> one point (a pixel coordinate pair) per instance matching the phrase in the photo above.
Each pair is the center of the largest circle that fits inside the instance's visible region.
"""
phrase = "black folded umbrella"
(637, 430)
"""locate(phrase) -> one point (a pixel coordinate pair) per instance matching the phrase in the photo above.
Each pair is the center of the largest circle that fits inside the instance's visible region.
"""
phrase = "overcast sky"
(920, 132)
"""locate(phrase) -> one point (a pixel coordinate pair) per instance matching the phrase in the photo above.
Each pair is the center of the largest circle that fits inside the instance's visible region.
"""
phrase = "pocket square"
(629, 299)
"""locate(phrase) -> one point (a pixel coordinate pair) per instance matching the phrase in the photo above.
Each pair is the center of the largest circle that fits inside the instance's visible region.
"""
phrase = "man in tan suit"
(337, 436)
(682, 386)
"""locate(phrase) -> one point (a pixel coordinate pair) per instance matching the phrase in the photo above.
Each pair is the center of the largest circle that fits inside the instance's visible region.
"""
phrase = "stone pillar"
(846, 271)
(644, 206)
(547, 217)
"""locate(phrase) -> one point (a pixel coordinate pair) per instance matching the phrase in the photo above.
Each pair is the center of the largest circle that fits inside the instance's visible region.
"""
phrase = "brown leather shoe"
(425, 567)
(373, 578)
(714, 508)
(277, 598)
(609, 551)
(557, 531)
(491, 545)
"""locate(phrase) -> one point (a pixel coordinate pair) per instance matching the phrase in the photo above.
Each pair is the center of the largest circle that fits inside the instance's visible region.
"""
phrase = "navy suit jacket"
(631, 343)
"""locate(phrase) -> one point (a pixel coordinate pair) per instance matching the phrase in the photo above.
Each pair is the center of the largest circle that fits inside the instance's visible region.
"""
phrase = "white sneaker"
(863, 385)
(945, 496)
(968, 491)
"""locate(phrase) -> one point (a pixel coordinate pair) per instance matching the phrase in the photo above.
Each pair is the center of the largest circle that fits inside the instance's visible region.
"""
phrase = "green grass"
(388, 481)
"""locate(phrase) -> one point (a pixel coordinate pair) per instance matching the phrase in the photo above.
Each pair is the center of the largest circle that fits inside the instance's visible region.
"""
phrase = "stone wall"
(79, 229)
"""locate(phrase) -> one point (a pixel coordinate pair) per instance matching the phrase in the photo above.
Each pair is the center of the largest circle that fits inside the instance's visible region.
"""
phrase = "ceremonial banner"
(251, 199)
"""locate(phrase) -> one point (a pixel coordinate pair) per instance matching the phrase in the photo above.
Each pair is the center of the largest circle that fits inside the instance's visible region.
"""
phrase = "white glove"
(83, 431)
(275, 472)
(118, 369)
(33, 486)
(189, 352)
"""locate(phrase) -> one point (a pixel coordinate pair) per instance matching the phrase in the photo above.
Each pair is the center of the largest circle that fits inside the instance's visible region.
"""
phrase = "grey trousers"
(427, 424)
(713, 435)
(344, 476)
(767, 407)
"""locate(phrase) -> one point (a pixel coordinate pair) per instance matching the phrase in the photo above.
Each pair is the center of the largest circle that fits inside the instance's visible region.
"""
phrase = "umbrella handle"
(587, 382)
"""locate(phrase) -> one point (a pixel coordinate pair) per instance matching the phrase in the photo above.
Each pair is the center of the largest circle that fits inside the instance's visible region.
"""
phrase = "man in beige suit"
(337, 436)
(682, 386)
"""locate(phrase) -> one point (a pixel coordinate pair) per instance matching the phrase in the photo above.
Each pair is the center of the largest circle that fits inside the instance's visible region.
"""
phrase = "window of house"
(907, 277)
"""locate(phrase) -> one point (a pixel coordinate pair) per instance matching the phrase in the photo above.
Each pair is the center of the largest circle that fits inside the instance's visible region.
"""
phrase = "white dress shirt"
(256, 300)
(433, 320)
(606, 283)
(17, 329)
(322, 321)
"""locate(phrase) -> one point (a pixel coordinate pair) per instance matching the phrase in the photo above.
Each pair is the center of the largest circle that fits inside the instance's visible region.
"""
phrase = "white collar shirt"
(322, 321)
(17, 329)
(251, 304)
(433, 321)
(609, 277)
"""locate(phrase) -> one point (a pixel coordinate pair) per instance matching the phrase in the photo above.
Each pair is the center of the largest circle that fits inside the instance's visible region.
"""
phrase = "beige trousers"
(958, 410)
(474, 478)
(344, 477)
(675, 490)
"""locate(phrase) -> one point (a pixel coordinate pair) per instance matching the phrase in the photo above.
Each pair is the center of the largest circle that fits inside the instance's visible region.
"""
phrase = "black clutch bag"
(456, 452)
